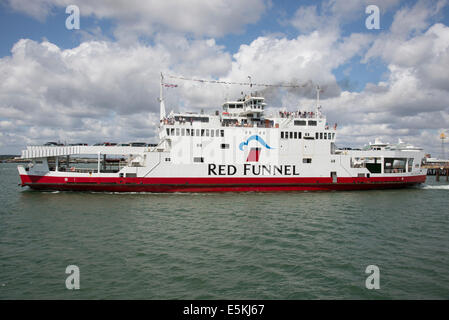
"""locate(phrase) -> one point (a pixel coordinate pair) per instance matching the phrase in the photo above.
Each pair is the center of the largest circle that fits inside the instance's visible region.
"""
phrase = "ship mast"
(161, 99)
(318, 89)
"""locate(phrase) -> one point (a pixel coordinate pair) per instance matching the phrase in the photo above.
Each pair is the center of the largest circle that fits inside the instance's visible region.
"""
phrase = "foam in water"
(434, 187)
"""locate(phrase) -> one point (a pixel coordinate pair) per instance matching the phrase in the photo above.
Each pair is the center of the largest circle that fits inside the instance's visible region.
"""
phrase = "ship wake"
(434, 187)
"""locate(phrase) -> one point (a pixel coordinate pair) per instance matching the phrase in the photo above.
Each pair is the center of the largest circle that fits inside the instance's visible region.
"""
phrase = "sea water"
(288, 245)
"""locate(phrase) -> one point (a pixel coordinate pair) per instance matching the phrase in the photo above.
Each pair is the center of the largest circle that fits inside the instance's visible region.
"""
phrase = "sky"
(101, 82)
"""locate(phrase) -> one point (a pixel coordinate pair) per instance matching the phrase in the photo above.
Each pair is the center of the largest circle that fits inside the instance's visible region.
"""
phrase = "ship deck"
(33, 152)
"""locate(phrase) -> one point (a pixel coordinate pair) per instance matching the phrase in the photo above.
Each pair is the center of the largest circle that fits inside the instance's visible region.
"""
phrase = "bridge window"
(307, 160)
(312, 123)
(300, 122)
(225, 146)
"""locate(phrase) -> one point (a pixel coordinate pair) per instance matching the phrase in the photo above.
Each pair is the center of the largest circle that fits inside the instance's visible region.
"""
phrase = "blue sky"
(122, 45)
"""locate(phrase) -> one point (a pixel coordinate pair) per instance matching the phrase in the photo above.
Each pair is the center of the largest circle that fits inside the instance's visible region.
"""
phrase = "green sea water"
(296, 245)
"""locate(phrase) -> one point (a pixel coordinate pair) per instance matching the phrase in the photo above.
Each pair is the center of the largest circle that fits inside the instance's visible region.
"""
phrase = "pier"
(437, 171)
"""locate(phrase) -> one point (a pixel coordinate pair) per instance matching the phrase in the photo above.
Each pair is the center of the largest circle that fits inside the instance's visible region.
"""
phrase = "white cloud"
(307, 19)
(333, 14)
(415, 19)
(406, 43)
(136, 17)
(412, 103)
(101, 90)
(98, 90)
(306, 58)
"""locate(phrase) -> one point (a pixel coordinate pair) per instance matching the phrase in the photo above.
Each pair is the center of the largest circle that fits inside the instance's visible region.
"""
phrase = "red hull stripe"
(215, 184)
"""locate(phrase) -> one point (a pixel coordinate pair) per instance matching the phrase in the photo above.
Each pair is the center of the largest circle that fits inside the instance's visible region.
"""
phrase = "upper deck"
(249, 112)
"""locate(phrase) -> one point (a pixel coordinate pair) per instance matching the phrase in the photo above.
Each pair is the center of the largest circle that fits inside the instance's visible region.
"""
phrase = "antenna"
(161, 99)
(318, 89)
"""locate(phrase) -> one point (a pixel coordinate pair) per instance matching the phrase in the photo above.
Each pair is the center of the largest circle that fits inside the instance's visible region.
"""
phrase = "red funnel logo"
(253, 155)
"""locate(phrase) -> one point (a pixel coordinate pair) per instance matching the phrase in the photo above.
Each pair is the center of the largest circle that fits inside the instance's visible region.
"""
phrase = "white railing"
(54, 151)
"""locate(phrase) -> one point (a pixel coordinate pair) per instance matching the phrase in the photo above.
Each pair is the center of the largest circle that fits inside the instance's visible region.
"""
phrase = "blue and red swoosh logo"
(257, 138)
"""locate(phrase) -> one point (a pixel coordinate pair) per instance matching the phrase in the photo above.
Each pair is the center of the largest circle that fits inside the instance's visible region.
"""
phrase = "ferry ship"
(237, 149)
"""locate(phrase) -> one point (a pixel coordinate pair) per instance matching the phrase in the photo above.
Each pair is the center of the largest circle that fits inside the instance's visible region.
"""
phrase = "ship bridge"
(251, 106)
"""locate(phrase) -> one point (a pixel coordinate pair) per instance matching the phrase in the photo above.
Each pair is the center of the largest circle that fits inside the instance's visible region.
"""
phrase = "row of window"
(291, 135)
(220, 133)
(324, 135)
(195, 132)
(297, 135)
(240, 106)
(304, 122)
(191, 119)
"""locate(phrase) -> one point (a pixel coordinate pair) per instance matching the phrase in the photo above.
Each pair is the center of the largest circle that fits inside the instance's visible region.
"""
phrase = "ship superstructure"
(238, 148)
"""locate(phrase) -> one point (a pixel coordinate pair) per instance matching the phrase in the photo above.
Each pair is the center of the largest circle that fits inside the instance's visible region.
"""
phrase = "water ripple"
(313, 245)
